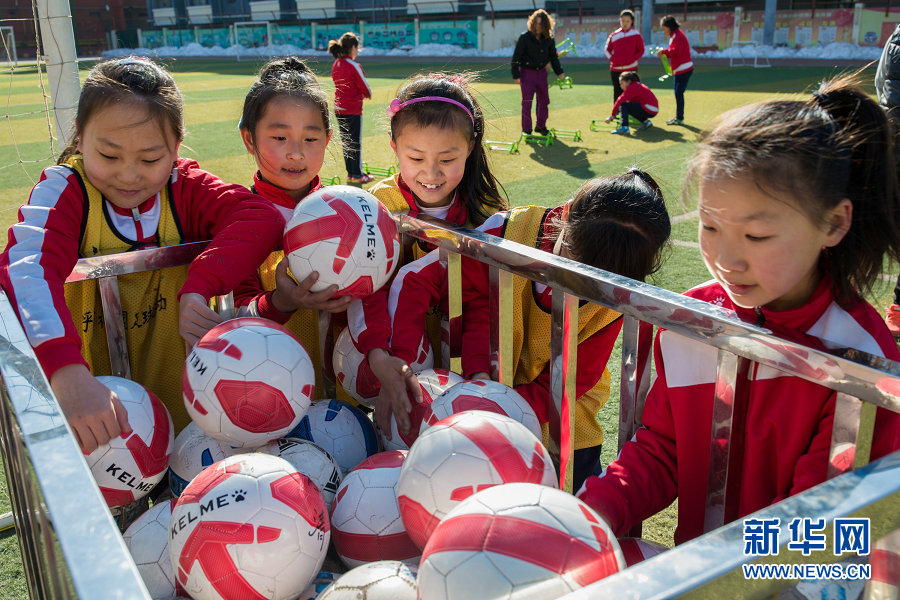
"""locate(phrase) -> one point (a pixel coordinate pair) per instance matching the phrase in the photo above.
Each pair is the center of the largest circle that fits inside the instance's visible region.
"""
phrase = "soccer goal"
(746, 54)
(8, 36)
(252, 39)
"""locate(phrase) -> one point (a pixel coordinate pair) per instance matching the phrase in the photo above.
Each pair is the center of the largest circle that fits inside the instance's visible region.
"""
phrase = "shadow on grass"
(571, 159)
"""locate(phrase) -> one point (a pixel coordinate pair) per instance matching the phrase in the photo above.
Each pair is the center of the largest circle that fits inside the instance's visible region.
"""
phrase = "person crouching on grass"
(637, 100)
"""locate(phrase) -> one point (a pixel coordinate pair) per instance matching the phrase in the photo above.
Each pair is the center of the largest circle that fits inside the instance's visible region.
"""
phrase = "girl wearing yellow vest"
(437, 133)
(286, 127)
(619, 224)
(120, 186)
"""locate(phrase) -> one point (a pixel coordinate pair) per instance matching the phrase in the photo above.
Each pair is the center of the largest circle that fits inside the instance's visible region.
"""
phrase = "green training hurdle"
(565, 82)
(333, 180)
(511, 147)
(540, 140)
(379, 171)
(567, 134)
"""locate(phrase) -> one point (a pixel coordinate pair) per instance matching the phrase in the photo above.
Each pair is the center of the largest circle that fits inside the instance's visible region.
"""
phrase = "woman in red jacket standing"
(350, 89)
(679, 53)
(624, 48)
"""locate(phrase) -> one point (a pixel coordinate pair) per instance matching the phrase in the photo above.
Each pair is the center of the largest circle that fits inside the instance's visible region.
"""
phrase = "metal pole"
(769, 22)
(647, 20)
(58, 44)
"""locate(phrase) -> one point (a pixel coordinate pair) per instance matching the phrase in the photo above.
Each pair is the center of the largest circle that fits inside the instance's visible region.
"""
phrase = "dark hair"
(543, 18)
(670, 22)
(627, 13)
(283, 77)
(129, 80)
(631, 76)
(341, 48)
(481, 191)
(619, 224)
(837, 144)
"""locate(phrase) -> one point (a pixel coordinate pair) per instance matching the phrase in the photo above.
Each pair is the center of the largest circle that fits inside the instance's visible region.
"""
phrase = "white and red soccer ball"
(381, 580)
(147, 539)
(250, 526)
(365, 519)
(483, 394)
(127, 467)
(345, 235)
(342, 430)
(460, 455)
(433, 383)
(517, 541)
(312, 461)
(194, 451)
(247, 381)
(354, 373)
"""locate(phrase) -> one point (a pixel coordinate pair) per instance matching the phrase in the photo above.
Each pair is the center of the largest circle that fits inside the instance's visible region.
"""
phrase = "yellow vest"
(531, 332)
(304, 323)
(149, 302)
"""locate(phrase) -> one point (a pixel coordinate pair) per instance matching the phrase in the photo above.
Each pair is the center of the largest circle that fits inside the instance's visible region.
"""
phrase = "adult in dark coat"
(535, 49)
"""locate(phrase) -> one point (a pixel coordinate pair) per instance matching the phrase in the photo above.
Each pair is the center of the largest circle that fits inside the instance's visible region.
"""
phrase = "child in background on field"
(286, 127)
(535, 49)
(118, 186)
(350, 89)
(679, 54)
(619, 224)
(624, 48)
(636, 101)
(798, 205)
(437, 133)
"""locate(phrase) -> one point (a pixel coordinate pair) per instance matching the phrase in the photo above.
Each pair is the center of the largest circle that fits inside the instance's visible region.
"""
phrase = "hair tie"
(395, 106)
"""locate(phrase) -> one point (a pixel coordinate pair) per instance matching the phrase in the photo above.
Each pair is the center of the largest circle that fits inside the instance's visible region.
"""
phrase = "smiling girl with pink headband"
(437, 133)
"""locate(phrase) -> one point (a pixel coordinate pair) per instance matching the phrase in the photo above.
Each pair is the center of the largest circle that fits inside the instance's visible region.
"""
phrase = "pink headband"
(395, 105)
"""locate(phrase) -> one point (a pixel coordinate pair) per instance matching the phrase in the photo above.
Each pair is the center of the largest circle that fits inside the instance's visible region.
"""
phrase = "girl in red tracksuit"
(615, 223)
(437, 133)
(798, 204)
(350, 89)
(636, 100)
(286, 127)
(120, 186)
(679, 54)
(624, 48)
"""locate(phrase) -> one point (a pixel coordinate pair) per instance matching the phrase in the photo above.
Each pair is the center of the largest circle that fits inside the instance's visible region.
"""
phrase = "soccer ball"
(147, 539)
(310, 460)
(517, 541)
(636, 550)
(352, 370)
(381, 580)
(365, 520)
(194, 451)
(247, 381)
(460, 455)
(345, 235)
(433, 383)
(128, 466)
(355, 375)
(342, 430)
(483, 394)
(250, 526)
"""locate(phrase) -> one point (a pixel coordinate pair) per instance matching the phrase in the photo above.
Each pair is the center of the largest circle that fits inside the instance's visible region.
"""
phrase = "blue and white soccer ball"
(342, 430)
(194, 451)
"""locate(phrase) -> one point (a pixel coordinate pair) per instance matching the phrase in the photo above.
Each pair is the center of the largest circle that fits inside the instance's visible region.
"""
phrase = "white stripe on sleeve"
(33, 296)
(359, 72)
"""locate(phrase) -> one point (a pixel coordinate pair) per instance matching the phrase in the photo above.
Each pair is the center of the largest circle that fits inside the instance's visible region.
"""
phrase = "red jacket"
(251, 289)
(423, 283)
(243, 228)
(789, 420)
(350, 87)
(624, 49)
(679, 53)
(640, 93)
(368, 318)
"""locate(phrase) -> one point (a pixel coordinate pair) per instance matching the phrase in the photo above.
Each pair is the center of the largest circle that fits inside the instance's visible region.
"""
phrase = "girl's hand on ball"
(195, 318)
(290, 296)
(94, 411)
(398, 385)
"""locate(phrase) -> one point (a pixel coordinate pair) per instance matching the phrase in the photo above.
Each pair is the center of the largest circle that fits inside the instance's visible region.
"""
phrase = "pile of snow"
(837, 50)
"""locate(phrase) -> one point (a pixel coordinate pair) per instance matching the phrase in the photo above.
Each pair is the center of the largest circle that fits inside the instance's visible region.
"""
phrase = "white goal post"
(238, 49)
(746, 54)
(8, 35)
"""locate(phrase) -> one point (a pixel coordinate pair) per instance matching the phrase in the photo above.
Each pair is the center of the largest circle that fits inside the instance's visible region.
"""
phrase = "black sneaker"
(526, 131)
(541, 130)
